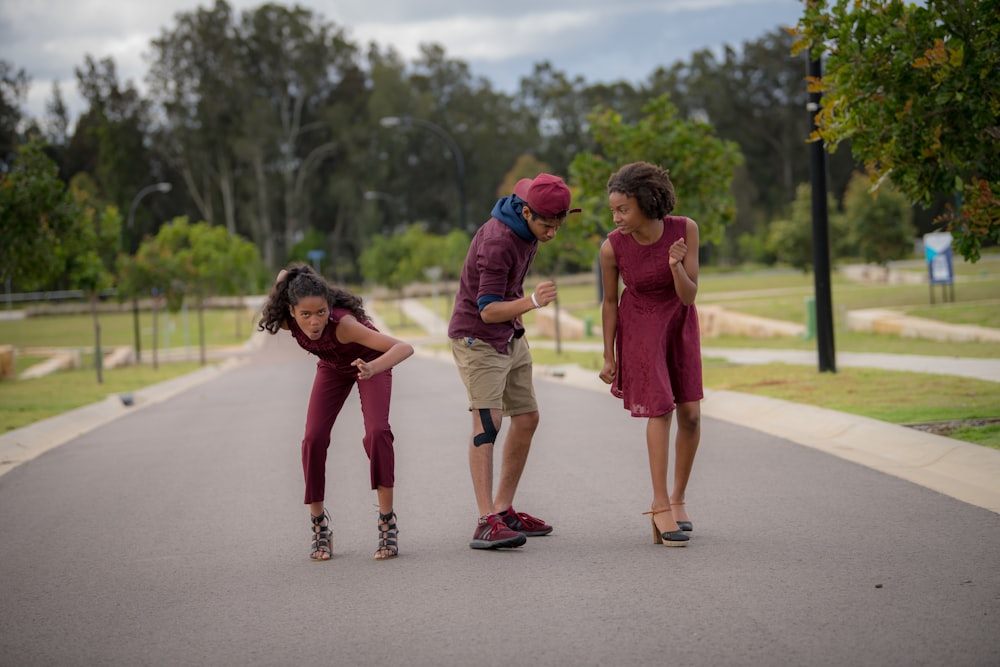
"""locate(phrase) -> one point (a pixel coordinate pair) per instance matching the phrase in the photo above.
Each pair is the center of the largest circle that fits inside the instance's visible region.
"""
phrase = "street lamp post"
(395, 121)
(134, 247)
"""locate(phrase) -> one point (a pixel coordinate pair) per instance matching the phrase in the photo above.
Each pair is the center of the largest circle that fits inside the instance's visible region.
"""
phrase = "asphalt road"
(175, 535)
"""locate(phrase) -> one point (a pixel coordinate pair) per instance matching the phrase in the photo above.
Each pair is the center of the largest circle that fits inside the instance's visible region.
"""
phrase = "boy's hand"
(545, 293)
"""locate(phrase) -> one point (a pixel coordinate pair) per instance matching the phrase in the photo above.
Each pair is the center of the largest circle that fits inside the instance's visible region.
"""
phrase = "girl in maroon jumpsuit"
(331, 323)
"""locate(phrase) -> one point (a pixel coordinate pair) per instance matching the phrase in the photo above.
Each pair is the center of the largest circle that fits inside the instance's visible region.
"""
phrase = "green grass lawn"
(222, 328)
(23, 402)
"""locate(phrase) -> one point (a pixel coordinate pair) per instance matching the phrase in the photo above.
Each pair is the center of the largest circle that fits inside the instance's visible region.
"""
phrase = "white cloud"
(489, 39)
(596, 39)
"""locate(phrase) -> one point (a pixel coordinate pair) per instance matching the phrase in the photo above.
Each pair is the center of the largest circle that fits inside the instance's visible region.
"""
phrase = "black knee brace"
(489, 434)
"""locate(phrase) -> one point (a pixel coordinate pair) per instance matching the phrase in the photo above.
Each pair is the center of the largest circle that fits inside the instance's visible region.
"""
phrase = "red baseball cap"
(546, 195)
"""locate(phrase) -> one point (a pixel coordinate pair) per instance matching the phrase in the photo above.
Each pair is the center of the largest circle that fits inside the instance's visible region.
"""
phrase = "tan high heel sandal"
(672, 538)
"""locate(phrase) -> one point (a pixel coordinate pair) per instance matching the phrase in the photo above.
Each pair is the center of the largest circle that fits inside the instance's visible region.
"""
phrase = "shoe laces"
(526, 519)
(496, 525)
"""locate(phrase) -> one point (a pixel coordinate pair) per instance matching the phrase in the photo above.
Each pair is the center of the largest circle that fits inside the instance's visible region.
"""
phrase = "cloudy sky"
(600, 40)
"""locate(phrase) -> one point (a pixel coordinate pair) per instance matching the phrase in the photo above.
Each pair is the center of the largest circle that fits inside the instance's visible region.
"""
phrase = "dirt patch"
(947, 427)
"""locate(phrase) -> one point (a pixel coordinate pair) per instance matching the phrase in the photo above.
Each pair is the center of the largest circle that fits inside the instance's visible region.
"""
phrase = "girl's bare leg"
(658, 446)
(686, 446)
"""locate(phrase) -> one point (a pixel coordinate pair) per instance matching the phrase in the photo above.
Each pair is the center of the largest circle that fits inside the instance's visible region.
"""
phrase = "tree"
(294, 61)
(701, 167)
(37, 216)
(790, 239)
(879, 224)
(916, 88)
(13, 90)
(754, 96)
(700, 164)
(386, 262)
(199, 85)
(560, 106)
(90, 261)
(115, 122)
(253, 106)
(197, 261)
(148, 273)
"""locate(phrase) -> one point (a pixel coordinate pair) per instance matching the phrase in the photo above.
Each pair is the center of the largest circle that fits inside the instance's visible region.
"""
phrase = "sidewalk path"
(983, 369)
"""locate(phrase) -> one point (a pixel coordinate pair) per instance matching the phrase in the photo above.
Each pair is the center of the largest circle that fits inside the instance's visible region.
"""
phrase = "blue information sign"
(937, 250)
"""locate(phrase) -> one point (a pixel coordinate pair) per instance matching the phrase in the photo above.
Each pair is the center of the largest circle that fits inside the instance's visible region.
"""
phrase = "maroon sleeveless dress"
(658, 341)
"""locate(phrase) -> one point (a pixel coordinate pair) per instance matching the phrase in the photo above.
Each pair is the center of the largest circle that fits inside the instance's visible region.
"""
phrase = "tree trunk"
(265, 228)
(226, 190)
(136, 330)
(156, 330)
(201, 330)
(195, 193)
(98, 354)
(240, 309)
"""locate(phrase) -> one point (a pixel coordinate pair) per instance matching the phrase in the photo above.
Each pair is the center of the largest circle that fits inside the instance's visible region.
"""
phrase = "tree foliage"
(89, 259)
(38, 219)
(700, 164)
(790, 239)
(187, 261)
(916, 90)
(114, 128)
(399, 259)
(13, 90)
(880, 223)
(266, 121)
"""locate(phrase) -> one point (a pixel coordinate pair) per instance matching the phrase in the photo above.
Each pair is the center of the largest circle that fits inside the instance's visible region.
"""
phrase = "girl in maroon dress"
(652, 347)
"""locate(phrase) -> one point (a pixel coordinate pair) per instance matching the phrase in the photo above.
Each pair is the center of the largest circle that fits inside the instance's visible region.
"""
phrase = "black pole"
(821, 235)
(133, 249)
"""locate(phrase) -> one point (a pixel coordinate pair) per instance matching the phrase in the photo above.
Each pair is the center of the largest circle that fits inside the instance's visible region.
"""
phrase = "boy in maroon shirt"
(487, 341)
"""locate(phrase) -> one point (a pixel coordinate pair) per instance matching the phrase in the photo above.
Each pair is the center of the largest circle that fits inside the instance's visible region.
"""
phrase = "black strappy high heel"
(387, 532)
(322, 540)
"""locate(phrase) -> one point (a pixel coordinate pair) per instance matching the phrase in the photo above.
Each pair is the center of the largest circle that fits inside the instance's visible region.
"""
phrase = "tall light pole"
(821, 233)
(134, 247)
(405, 121)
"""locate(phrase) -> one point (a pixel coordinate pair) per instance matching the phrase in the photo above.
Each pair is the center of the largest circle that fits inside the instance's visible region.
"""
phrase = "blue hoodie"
(508, 211)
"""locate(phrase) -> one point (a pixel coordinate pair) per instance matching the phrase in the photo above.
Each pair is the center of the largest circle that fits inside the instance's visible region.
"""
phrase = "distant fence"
(58, 295)
(72, 302)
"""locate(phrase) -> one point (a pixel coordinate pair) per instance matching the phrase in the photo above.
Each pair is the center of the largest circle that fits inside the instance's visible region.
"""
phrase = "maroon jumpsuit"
(333, 382)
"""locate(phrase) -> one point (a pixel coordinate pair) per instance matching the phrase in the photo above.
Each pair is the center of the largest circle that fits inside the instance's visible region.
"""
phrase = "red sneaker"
(493, 533)
(523, 522)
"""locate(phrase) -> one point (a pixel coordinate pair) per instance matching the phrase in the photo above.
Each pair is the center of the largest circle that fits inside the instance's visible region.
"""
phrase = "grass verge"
(27, 401)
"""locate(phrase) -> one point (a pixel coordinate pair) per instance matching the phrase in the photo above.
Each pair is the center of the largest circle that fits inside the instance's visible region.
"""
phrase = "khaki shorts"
(496, 381)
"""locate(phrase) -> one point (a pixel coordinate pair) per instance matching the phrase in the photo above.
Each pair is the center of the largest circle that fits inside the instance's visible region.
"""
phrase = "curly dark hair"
(649, 184)
(299, 282)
